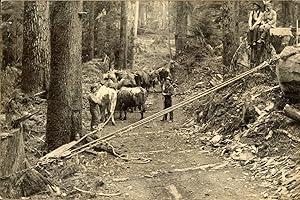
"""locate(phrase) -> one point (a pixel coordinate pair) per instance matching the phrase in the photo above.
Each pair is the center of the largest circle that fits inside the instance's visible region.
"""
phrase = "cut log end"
(292, 112)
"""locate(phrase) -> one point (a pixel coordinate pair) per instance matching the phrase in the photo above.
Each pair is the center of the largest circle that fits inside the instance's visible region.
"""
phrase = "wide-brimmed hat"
(257, 4)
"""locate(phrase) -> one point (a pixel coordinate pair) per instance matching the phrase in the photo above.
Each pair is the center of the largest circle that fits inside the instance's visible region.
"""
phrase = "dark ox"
(142, 79)
(131, 98)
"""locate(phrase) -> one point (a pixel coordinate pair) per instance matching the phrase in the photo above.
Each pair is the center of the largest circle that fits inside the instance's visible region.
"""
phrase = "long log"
(292, 112)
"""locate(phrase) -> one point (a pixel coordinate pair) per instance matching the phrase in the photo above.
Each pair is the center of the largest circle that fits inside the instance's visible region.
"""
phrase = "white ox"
(106, 98)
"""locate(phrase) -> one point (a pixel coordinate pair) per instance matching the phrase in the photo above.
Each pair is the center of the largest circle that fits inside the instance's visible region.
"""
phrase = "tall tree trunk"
(164, 14)
(287, 10)
(65, 91)
(169, 32)
(142, 14)
(230, 17)
(1, 50)
(123, 35)
(36, 47)
(14, 45)
(181, 26)
(1, 44)
(136, 18)
(91, 31)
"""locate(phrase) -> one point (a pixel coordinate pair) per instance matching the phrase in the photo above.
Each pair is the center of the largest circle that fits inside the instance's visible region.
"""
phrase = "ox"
(106, 99)
(131, 98)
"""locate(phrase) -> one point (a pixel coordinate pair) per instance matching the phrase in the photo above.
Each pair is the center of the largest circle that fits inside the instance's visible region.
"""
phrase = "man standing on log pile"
(268, 21)
(255, 18)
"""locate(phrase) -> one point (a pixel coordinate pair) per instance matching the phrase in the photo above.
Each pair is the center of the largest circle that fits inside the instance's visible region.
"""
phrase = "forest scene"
(136, 99)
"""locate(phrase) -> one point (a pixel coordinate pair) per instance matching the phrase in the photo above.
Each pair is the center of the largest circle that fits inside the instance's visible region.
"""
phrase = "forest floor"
(165, 160)
(177, 168)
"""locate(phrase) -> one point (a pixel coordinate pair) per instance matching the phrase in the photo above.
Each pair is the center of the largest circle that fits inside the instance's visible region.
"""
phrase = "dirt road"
(177, 170)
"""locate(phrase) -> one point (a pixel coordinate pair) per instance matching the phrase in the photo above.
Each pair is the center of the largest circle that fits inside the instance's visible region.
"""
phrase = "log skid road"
(177, 170)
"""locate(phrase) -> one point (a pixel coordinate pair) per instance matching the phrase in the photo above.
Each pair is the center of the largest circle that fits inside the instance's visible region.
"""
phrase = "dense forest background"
(53, 53)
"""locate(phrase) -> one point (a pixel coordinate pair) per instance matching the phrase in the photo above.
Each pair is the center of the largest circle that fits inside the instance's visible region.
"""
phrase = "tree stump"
(14, 182)
(12, 156)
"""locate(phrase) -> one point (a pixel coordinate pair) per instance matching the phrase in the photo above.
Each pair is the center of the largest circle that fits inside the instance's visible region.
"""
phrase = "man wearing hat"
(167, 92)
(269, 19)
(254, 22)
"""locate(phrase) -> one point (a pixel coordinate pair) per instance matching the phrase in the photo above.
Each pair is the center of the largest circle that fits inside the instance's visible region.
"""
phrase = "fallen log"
(292, 112)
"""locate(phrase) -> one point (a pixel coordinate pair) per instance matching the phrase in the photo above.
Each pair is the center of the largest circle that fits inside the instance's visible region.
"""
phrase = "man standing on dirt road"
(167, 92)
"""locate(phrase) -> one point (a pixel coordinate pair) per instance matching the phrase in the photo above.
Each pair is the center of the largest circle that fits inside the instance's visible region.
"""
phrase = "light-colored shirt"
(270, 17)
(255, 18)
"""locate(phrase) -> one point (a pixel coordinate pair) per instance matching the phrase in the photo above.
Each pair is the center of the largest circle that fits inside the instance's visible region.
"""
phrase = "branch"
(16, 122)
(97, 193)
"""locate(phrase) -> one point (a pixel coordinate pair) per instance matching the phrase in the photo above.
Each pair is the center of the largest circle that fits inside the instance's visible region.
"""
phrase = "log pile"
(288, 73)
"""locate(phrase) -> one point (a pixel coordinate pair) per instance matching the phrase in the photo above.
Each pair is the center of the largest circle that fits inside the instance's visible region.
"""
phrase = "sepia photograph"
(150, 99)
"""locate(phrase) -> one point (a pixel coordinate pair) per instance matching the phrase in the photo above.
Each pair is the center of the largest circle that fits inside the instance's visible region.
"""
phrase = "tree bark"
(91, 31)
(181, 26)
(169, 32)
(142, 14)
(164, 14)
(289, 13)
(14, 45)
(136, 18)
(1, 50)
(1, 44)
(36, 47)
(230, 17)
(123, 35)
(65, 91)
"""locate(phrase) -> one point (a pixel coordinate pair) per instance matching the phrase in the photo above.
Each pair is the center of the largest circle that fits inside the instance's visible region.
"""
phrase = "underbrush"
(244, 122)
(10, 78)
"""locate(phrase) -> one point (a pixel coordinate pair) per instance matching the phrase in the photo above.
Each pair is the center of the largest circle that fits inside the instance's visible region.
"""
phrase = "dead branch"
(202, 167)
(16, 122)
(98, 193)
(292, 137)
(40, 93)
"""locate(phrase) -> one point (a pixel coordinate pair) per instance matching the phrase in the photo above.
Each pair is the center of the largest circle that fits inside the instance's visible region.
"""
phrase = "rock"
(243, 156)
(216, 139)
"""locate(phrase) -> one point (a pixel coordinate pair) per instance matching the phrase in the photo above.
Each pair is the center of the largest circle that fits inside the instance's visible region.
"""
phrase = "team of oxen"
(122, 91)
